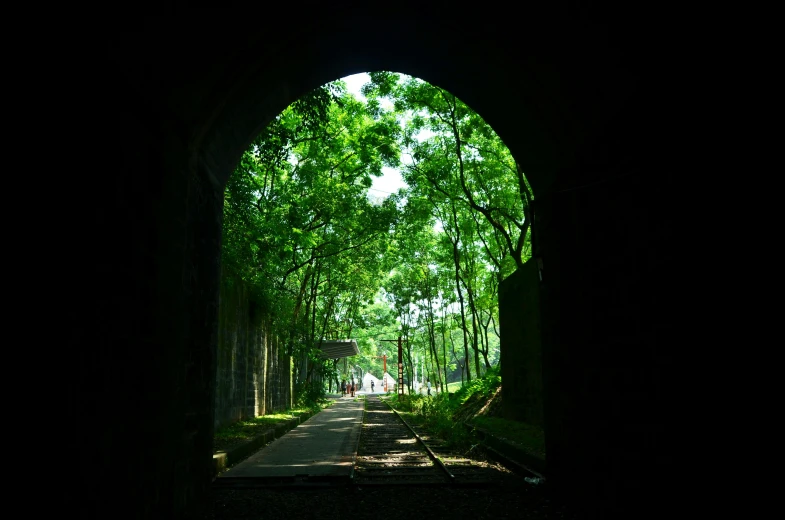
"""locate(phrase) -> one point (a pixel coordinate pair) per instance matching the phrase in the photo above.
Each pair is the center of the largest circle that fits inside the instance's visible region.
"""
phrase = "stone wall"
(253, 375)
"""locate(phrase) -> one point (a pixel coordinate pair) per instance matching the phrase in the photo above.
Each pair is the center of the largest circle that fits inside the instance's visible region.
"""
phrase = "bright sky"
(391, 181)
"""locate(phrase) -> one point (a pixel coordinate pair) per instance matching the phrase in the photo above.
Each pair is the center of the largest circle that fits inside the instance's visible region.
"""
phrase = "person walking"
(343, 387)
(428, 382)
(351, 385)
(372, 385)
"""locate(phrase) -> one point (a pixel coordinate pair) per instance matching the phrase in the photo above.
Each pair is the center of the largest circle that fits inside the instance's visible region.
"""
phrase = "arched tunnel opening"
(312, 249)
(575, 106)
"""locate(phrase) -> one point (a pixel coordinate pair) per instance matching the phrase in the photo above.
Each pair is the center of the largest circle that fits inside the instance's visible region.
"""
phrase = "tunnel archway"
(537, 122)
(185, 118)
(241, 267)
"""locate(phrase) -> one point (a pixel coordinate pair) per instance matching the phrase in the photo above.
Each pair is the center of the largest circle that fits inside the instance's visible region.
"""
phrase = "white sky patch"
(424, 134)
(355, 82)
(390, 182)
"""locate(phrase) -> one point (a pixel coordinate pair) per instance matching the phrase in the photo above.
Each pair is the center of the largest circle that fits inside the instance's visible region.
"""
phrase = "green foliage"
(438, 412)
(484, 386)
(309, 395)
(298, 227)
(435, 414)
(454, 387)
(322, 261)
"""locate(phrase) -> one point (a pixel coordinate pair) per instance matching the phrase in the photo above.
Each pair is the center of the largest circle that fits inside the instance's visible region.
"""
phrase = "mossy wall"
(253, 372)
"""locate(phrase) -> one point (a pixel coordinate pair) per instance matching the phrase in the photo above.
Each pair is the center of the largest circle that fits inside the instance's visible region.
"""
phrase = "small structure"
(338, 348)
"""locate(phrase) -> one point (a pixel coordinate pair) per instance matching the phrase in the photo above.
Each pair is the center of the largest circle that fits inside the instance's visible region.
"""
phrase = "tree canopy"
(326, 261)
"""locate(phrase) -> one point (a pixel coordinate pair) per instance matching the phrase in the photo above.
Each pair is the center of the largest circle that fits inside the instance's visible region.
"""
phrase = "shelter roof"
(338, 348)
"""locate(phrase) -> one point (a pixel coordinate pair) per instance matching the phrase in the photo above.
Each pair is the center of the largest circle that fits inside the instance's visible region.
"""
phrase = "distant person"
(343, 387)
(372, 385)
(351, 386)
(428, 382)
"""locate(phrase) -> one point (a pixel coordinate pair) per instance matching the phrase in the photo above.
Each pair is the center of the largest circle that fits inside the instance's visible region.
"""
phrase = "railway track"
(392, 452)
(387, 453)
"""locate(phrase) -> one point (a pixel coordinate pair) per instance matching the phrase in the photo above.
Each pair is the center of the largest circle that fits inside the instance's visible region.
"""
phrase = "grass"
(452, 417)
(435, 414)
(242, 431)
(412, 418)
(453, 387)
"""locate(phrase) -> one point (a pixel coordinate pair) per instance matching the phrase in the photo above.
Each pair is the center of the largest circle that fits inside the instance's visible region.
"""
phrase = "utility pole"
(415, 374)
(384, 372)
(400, 366)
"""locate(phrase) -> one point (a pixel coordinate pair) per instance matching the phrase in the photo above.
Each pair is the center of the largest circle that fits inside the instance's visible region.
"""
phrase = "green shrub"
(484, 386)
(437, 413)
(309, 395)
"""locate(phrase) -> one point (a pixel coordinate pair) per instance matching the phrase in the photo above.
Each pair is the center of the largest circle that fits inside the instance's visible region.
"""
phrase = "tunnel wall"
(608, 341)
(141, 295)
(520, 345)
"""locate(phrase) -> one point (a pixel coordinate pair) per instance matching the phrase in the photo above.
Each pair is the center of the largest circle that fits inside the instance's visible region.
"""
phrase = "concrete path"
(323, 446)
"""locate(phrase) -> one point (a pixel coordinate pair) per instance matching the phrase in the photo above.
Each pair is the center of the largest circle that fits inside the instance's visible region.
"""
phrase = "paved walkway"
(323, 446)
